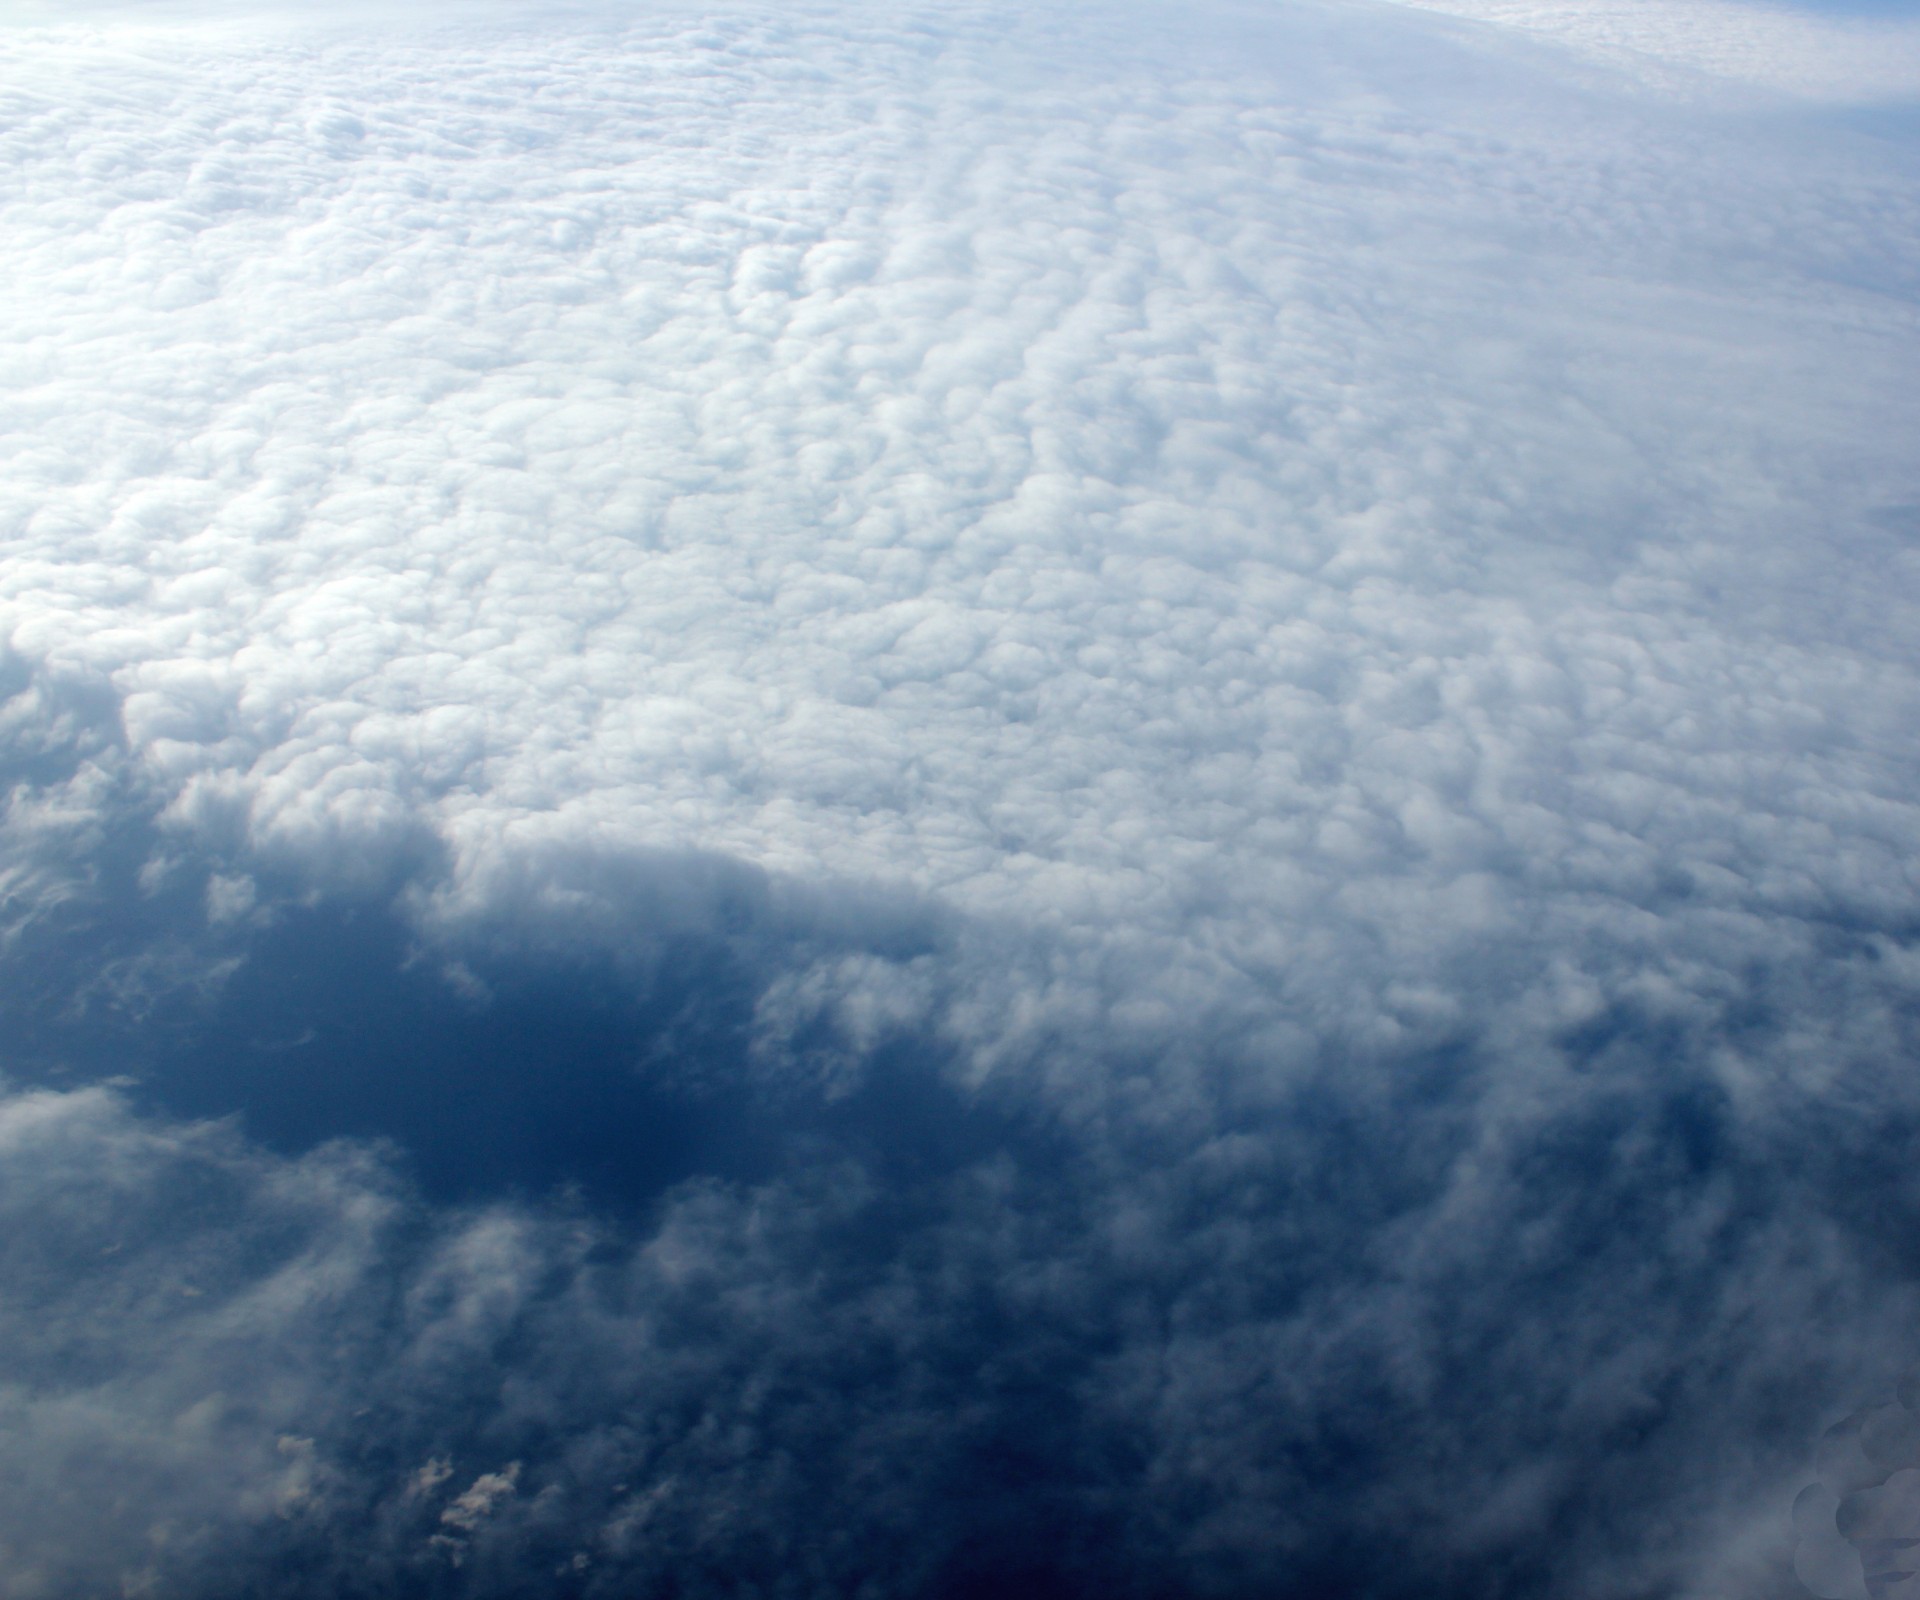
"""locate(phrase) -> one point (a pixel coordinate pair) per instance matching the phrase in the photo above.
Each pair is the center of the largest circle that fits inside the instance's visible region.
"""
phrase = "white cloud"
(1248, 517)
(1806, 53)
(1333, 595)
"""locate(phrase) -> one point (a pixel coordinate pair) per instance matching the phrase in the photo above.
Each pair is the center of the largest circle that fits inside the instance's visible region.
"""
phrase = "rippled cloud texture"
(952, 802)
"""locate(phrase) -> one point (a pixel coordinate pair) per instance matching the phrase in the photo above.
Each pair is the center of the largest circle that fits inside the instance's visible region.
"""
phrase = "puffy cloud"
(1240, 525)
(1094, 804)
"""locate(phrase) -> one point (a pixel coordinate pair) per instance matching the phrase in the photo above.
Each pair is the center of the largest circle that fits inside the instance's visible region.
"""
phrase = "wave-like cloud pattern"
(1220, 705)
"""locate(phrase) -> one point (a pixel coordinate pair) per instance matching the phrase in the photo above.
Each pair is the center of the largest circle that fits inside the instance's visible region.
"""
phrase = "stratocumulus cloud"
(946, 802)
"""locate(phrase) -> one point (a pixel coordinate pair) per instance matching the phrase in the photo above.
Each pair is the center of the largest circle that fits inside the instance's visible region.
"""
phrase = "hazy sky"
(863, 800)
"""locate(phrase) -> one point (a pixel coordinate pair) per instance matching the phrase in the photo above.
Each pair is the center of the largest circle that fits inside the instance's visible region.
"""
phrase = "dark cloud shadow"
(613, 1059)
(334, 1026)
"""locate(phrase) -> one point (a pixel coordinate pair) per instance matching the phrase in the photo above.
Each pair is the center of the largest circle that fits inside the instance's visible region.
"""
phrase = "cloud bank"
(940, 803)
(1846, 53)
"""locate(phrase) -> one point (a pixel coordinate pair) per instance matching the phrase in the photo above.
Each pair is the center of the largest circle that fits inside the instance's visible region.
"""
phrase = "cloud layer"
(1846, 52)
(969, 803)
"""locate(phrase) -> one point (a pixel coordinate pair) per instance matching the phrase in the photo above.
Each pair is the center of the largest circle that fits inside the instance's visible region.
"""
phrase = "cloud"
(1839, 53)
(590, 465)
(963, 804)
(1385, 1337)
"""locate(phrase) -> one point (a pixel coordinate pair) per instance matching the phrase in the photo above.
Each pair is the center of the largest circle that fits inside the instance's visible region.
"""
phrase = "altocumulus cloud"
(949, 802)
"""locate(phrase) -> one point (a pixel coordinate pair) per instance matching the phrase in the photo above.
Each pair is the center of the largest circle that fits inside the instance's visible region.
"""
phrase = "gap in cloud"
(333, 1027)
(503, 1071)
(525, 1074)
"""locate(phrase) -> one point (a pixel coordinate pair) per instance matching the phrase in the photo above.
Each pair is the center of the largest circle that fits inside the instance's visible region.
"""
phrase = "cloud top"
(967, 803)
(1855, 56)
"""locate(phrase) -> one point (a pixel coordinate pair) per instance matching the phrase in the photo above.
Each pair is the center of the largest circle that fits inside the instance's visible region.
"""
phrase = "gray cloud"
(1394, 1334)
